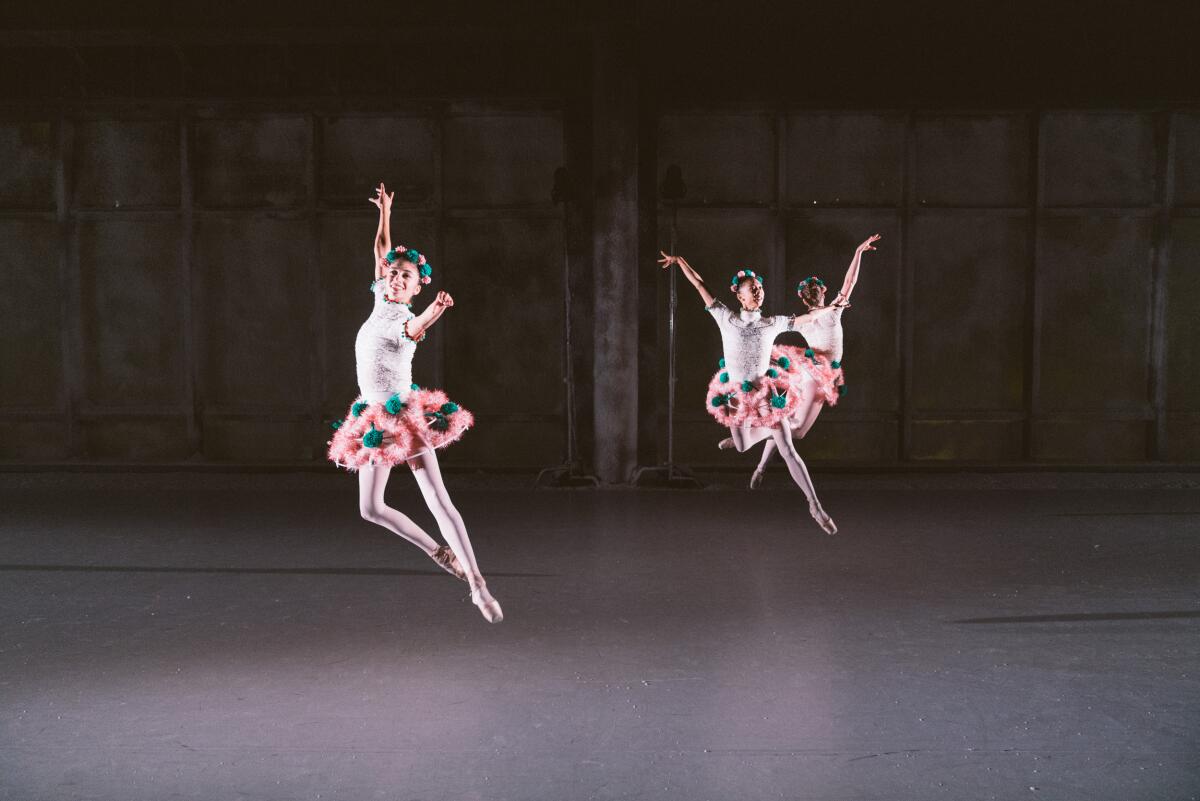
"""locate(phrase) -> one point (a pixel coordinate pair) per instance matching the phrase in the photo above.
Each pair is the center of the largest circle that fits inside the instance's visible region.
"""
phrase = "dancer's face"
(750, 294)
(403, 281)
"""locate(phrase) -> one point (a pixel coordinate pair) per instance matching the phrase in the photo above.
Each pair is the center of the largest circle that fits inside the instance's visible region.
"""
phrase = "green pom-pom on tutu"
(373, 438)
(808, 352)
(335, 425)
(842, 389)
(785, 362)
(721, 363)
(414, 387)
(394, 405)
(747, 386)
(835, 365)
(773, 373)
(449, 408)
(779, 401)
(358, 408)
(724, 378)
(719, 400)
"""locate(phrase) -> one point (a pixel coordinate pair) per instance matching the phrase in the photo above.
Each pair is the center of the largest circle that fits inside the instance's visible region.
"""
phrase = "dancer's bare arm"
(690, 274)
(383, 234)
(852, 271)
(417, 326)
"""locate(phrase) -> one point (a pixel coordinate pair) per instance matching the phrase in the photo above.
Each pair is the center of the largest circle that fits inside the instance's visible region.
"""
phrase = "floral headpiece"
(812, 279)
(733, 282)
(409, 254)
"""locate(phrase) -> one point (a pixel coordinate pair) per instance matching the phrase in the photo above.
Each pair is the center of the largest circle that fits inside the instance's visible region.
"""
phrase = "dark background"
(185, 233)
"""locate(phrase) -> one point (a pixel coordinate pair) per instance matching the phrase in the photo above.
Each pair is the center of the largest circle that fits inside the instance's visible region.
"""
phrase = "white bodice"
(823, 331)
(746, 338)
(382, 352)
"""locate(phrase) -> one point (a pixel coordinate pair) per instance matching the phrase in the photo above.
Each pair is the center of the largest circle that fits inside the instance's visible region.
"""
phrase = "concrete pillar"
(615, 254)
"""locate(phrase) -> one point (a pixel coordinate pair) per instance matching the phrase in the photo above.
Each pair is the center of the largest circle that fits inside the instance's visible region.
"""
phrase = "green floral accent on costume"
(394, 405)
(779, 401)
(747, 386)
(358, 408)
(373, 438)
(724, 377)
(785, 362)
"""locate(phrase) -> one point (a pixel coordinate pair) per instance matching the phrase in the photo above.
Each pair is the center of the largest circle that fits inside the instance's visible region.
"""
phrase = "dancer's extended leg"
(795, 465)
(372, 481)
(810, 407)
(429, 478)
(743, 439)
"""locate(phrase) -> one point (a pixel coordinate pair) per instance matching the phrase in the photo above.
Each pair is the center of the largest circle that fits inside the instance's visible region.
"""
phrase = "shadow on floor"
(1085, 617)
(278, 571)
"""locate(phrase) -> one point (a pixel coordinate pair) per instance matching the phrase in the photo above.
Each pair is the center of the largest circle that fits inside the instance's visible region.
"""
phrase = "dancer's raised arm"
(417, 326)
(383, 234)
(690, 274)
(852, 271)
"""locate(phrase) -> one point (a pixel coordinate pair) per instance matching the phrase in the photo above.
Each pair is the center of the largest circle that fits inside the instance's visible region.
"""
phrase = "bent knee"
(372, 514)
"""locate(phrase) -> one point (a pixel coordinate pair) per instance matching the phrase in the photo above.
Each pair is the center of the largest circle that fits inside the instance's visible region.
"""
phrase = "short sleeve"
(718, 310)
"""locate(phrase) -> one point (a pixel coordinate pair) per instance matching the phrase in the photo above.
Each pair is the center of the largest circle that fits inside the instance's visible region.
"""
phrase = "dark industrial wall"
(185, 237)
(1033, 297)
(189, 286)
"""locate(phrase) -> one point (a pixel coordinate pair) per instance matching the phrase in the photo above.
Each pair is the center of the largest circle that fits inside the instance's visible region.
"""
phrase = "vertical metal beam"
(1033, 312)
(782, 293)
(439, 204)
(69, 289)
(186, 289)
(904, 314)
(316, 296)
(616, 253)
(1160, 262)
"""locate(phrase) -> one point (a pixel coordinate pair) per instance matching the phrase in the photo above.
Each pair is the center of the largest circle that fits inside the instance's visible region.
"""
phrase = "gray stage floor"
(224, 637)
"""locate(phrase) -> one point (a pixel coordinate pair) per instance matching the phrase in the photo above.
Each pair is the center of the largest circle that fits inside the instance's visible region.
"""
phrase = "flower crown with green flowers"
(812, 279)
(409, 254)
(742, 274)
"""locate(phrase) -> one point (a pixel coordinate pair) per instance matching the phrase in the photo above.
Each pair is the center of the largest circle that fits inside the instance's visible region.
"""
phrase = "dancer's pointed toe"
(756, 478)
(488, 606)
(823, 520)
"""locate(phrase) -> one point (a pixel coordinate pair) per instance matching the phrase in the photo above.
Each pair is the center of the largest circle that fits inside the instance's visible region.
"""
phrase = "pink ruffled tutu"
(830, 379)
(762, 403)
(390, 432)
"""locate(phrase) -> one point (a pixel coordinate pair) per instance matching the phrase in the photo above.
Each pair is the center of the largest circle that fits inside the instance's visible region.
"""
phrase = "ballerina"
(750, 395)
(394, 421)
(820, 381)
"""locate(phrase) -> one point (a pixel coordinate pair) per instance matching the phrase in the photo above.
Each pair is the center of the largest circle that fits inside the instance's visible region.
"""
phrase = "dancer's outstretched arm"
(852, 271)
(383, 234)
(417, 326)
(690, 274)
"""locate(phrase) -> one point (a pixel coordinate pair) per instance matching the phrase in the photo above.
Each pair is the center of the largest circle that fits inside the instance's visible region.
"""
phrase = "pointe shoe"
(823, 520)
(489, 607)
(756, 478)
(448, 562)
(726, 444)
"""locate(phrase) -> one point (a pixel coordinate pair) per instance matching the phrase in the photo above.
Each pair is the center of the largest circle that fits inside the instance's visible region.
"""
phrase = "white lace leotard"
(823, 330)
(746, 338)
(383, 353)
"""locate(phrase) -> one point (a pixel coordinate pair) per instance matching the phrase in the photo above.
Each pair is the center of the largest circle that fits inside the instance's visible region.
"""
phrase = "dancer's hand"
(444, 300)
(666, 261)
(867, 245)
(383, 198)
